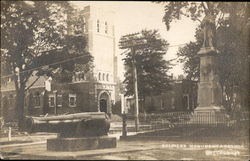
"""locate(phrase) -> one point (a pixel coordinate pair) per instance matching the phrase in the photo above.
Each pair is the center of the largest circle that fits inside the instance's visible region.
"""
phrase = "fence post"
(124, 124)
(9, 134)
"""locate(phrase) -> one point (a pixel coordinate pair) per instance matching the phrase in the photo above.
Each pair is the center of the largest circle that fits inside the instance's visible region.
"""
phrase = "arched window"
(106, 27)
(98, 26)
(84, 25)
(103, 76)
(107, 77)
(99, 76)
(81, 76)
(74, 78)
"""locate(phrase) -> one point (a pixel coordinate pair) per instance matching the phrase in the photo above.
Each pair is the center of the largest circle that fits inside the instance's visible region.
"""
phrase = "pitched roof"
(11, 85)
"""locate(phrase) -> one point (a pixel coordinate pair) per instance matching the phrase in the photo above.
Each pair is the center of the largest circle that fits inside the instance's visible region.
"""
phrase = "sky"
(133, 16)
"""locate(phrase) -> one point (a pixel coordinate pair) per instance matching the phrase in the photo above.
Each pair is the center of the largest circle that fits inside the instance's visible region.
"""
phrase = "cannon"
(76, 132)
(72, 125)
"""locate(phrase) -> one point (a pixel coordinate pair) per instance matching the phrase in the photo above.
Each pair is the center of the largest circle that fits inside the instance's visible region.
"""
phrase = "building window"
(186, 102)
(98, 26)
(37, 99)
(106, 27)
(103, 76)
(81, 76)
(72, 100)
(59, 100)
(75, 77)
(12, 100)
(172, 103)
(99, 76)
(107, 77)
(84, 25)
(52, 101)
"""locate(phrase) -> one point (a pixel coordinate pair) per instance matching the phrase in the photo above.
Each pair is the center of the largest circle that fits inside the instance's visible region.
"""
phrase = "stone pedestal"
(209, 89)
(80, 144)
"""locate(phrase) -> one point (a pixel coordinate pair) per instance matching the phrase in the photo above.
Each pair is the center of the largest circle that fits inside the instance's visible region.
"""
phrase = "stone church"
(87, 92)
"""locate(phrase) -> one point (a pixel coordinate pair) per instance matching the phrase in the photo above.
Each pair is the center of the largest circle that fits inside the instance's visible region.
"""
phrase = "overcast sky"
(132, 17)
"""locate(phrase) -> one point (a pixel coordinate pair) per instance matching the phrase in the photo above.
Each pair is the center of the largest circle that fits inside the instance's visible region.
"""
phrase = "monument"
(209, 89)
(76, 132)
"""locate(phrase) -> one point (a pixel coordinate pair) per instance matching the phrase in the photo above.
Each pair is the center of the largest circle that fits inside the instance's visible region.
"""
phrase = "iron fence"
(187, 123)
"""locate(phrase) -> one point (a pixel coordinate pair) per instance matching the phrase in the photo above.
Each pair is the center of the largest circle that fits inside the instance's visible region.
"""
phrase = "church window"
(84, 25)
(107, 77)
(99, 76)
(98, 26)
(79, 76)
(103, 76)
(106, 27)
(82, 76)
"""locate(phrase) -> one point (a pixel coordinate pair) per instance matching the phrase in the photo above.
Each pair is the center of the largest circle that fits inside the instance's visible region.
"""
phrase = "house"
(91, 91)
(182, 97)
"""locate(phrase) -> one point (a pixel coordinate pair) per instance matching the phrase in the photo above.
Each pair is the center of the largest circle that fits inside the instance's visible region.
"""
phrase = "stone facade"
(209, 89)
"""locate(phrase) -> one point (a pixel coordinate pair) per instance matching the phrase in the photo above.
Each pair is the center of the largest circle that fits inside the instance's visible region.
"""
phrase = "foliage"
(188, 56)
(150, 64)
(34, 37)
(232, 42)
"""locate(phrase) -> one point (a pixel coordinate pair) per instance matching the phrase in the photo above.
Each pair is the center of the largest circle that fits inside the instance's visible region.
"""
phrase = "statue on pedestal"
(208, 25)
(209, 91)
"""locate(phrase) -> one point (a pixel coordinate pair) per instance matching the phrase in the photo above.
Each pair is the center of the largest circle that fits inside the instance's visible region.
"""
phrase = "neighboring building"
(92, 91)
(182, 97)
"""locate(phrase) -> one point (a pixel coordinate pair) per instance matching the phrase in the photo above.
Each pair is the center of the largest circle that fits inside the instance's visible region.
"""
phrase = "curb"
(75, 156)
(24, 144)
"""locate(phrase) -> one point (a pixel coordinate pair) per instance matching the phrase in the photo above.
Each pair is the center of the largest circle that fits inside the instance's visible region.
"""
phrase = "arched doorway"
(103, 105)
(104, 102)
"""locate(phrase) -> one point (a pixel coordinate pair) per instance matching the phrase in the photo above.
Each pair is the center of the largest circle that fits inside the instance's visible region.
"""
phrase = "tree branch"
(27, 76)
(204, 7)
(32, 83)
(199, 20)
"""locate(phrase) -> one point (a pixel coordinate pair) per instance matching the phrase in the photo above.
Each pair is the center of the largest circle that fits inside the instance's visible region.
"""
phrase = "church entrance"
(104, 102)
(103, 105)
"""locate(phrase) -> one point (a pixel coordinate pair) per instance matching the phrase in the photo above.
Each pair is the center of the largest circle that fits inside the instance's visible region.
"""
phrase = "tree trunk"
(20, 105)
(143, 103)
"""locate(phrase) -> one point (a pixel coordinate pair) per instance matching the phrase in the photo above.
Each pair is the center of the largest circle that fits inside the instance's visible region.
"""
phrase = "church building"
(87, 92)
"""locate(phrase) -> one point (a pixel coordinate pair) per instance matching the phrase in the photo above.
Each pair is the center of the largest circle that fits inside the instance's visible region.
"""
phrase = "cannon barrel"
(71, 125)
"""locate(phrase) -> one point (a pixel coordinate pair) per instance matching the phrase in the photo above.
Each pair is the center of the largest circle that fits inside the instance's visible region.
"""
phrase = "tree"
(34, 38)
(232, 41)
(150, 64)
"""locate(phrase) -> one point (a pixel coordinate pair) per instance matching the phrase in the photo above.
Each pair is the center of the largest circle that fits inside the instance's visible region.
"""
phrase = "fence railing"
(186, 120)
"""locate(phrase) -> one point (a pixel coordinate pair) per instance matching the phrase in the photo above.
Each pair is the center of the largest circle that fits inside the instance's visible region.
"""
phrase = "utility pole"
(132, 41)
(135, 92)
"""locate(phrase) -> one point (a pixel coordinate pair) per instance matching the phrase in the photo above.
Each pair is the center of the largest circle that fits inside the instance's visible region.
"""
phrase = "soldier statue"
(208, 25)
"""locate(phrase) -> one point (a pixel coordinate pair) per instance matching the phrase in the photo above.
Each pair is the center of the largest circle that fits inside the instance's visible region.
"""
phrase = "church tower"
(99, 31)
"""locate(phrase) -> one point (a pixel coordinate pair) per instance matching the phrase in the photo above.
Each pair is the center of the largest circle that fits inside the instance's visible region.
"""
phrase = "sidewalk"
(135, 149)
(25, 139)
(156, 147)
